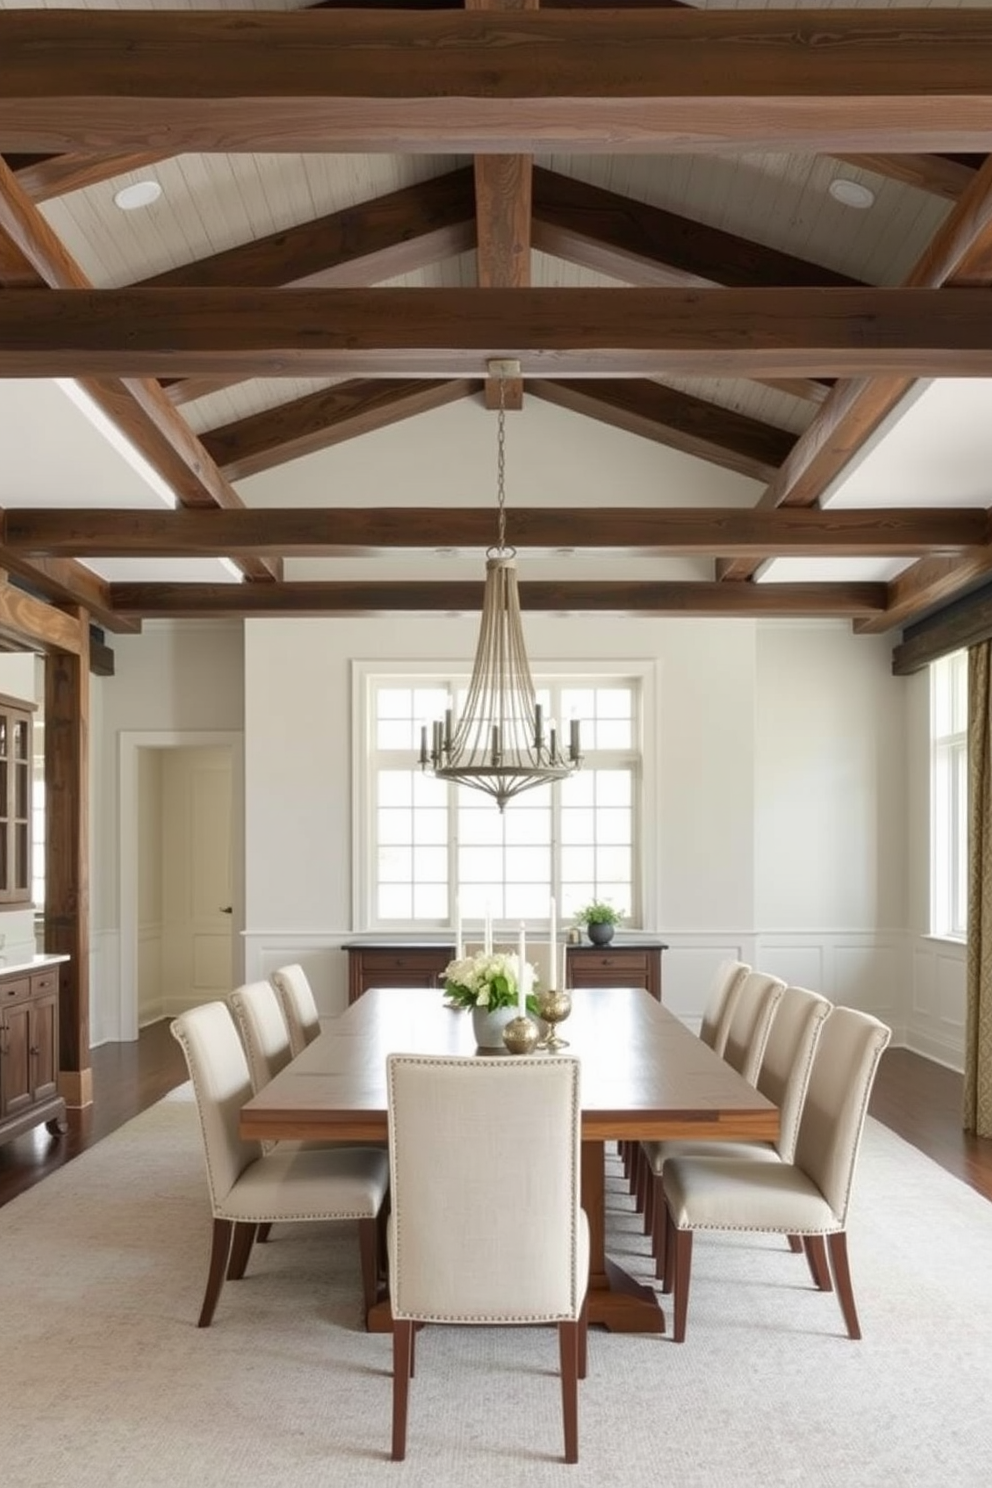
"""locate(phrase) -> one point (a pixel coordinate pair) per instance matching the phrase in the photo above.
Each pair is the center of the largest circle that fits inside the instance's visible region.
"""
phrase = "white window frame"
(644, 847)
(948, 804)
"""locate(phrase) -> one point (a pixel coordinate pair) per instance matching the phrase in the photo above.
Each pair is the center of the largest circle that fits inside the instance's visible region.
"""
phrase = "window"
(428, 843)
(949, 794)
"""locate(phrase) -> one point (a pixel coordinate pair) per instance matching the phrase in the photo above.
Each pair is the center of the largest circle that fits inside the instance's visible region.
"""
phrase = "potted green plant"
(600, 920)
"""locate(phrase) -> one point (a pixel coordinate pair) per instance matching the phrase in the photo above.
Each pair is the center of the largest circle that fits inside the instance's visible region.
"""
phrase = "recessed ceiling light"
(141, 194)
(851, 193)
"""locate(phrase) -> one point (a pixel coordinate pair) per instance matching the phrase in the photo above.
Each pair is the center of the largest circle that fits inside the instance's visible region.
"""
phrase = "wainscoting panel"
(319, 953)
(935, 1001)
(688, 970)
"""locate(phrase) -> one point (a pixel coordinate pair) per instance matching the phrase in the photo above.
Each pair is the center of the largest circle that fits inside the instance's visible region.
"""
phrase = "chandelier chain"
(501, 467)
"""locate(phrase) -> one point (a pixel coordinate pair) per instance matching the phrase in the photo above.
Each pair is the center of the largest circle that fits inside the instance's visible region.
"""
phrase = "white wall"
(778, 828)
(175, 683)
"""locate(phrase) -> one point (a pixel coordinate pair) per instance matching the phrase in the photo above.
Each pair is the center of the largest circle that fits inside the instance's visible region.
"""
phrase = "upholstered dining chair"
(810, 1196)
(486, 1226)
(298, 1005)
(783, 1078)
(751, 1022)
(713, 1029)
(249, 1188)
(755, 1002)
(264, 1031)
(721, 1003)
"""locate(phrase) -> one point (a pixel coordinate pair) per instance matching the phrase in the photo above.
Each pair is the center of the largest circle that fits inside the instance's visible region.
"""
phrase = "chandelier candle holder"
(502, 743)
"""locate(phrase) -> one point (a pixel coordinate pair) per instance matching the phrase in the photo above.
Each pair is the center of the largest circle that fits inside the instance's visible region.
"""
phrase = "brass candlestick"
(554, 1008)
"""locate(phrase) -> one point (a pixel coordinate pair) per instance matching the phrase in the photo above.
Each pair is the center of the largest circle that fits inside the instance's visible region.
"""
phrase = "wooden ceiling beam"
(30, 624)
(325, 418)
(930, 583)
(138, 407)
(454, 332)
(960, 254)
(678, 420)
(370, 531)
(375, 239)
(940, 175)
(62, 581)
(504, 222)
(382, 598)
(57, 175)
(678, 80)
(387, 235)
(647, 245)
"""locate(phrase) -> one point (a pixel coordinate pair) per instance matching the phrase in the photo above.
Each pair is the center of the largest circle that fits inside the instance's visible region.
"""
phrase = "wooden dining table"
(644, 1075)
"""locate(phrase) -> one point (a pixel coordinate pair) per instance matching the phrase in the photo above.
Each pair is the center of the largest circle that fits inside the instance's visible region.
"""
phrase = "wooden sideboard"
(632, 962)
(29, 1047)
(627, 963)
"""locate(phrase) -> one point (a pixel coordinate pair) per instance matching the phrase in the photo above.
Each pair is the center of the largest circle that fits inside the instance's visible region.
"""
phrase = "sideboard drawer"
(616, 966)
(16, 987)
(400, 966)
(44, 981)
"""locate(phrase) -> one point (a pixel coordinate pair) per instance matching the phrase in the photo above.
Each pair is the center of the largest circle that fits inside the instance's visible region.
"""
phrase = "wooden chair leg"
(568, 1354)
(402, 1346)
(650, 1183)
(668, 1279)
(264, 1231)
(584, 1338)
(842, 1276)
(816, 1255)
(642, 1172)
(659, 1233)
(220, 1251)
(244, 1239)
(681, 1242)
(368, 1247)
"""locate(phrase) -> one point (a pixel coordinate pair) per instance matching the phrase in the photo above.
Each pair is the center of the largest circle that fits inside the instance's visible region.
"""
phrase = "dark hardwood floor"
(919, 1100)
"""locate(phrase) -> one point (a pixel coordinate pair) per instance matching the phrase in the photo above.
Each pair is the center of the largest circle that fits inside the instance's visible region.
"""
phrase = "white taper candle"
(459, 943)
(553, 943)
(522, 972)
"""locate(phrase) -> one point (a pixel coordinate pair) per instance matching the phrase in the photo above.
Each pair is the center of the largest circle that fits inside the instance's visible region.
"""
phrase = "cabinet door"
(43, 1046)
(16, 1085)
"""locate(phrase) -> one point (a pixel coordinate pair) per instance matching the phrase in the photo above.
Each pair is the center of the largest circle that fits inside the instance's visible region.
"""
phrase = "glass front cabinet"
(16, 765)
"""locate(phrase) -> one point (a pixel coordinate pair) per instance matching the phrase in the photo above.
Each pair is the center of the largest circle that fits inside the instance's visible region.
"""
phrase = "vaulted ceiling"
(642, 210)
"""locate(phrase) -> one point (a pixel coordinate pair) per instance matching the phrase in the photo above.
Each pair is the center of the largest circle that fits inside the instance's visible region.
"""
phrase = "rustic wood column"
(67, 708)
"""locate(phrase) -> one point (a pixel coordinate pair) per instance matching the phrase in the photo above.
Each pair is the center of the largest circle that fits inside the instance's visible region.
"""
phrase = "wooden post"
(67, 856)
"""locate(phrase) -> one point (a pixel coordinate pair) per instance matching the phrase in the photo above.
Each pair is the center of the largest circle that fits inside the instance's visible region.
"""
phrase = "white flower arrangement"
(489, 979)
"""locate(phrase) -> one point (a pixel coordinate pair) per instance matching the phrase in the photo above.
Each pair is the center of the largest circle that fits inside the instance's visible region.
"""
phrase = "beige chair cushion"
(486, 1225)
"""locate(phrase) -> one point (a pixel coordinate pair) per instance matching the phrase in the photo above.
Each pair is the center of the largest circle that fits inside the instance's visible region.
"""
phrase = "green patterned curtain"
(978, 1032)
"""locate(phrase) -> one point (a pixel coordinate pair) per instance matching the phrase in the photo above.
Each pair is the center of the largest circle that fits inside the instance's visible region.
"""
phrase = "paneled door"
(197, 888)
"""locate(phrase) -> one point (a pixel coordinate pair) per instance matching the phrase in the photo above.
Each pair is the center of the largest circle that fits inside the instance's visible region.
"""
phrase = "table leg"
(616, 1299)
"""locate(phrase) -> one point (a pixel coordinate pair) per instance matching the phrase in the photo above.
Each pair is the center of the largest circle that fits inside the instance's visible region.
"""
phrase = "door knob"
(227, 909)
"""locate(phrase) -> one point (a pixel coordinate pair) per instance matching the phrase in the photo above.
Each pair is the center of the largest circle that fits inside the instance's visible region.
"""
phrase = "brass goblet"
(554, 1007)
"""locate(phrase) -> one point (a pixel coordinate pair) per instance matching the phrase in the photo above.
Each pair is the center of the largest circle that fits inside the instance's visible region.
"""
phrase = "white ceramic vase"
(488, 1025)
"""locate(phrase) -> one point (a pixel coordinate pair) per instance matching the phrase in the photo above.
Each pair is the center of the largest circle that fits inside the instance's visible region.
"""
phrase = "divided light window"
(949, 795)
(431, 842)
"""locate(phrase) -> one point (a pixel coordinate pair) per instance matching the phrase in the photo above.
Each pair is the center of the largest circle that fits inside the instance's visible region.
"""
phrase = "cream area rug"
(107, 1380)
